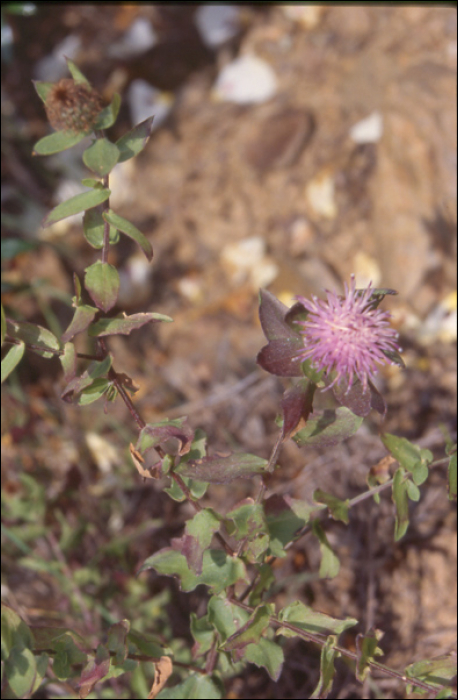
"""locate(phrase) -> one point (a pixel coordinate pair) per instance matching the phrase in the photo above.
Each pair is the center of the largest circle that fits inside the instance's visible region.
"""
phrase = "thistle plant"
(332, 345)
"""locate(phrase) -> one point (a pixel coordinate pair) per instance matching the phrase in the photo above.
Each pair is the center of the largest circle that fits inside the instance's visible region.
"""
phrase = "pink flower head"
(348, 335)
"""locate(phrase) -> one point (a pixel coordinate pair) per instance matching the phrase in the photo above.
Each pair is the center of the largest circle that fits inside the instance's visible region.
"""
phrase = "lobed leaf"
(219, 570)
(286, 517)
(197, 538)
(266, 654)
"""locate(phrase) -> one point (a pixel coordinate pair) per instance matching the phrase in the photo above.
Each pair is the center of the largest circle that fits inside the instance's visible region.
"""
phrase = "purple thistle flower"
(347, 336)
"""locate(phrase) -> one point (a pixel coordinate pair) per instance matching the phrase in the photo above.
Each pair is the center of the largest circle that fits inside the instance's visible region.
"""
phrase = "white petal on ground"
(246, 260)
(247, 80)
(320, 195)
(368, 130)
(53, 67)
(217, 23)
(145, 100)
(137, 39)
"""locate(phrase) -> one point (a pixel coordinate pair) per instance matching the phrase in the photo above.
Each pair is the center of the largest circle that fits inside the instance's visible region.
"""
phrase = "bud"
(72, 106)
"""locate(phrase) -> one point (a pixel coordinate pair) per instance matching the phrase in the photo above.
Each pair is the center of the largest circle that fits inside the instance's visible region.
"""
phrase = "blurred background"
(292, 147)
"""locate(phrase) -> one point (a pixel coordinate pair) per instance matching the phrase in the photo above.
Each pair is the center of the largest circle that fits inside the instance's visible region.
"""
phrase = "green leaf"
(246, 520)
(252, 631)
(93, 392)
(337, 508)
(413, 491)
(264, 580)
(197, 538)
(266, 654)
(129, 230)
(3, 324)
(219, 570)
(76, 74)
(305, 618)
(102, 282)
(135, 140)
(68, 361)
(101, 157)
(12, 359)
(409, 456)
(31, 334)
(93, 228)
(328, 656)
(147, 644)
(20, 671)
(438, 672)
(401, 502)
(75, 205)
(366, 650)
(226, 617)
(43, 89)
(82, 319)
(328, 427)
(57, 142)
(15, 634)
(452, 478)
(222, 470)
(78, 384)
(286, 517)
(108, 115)
(330, 565)
(92, 182)
(124, 325)
(203, 634)
(196, 686)
(196, 488)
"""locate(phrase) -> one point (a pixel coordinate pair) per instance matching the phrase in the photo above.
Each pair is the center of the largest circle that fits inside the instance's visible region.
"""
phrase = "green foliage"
(232, 553)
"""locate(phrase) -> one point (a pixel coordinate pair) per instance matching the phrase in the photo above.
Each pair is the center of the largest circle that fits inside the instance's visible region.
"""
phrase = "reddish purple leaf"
(297, 403)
